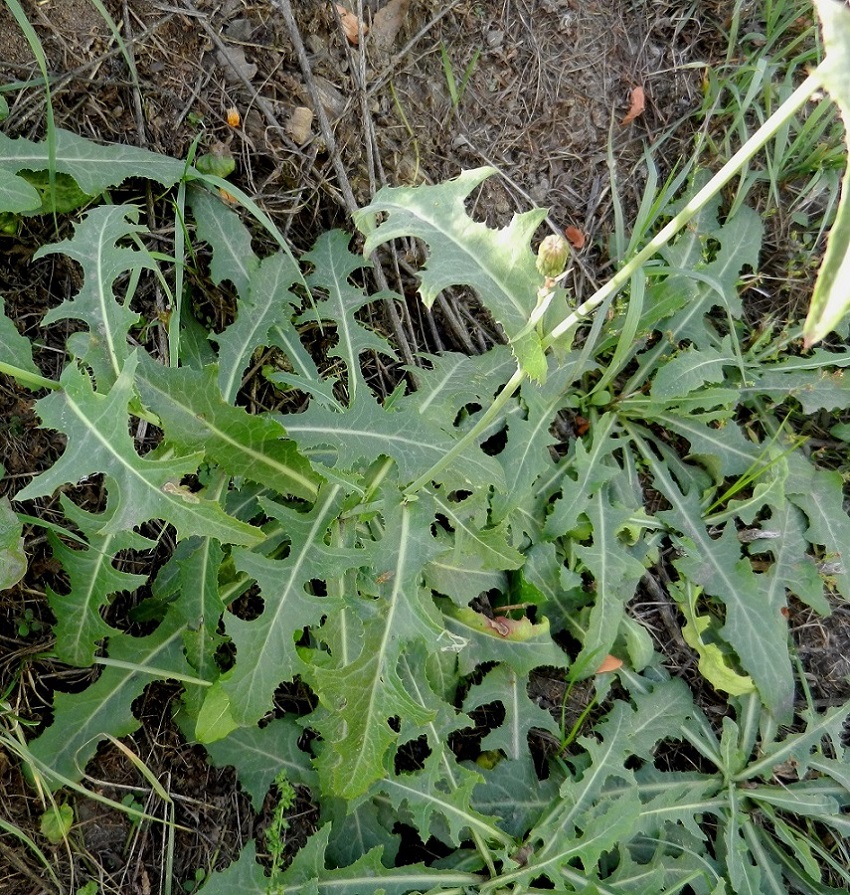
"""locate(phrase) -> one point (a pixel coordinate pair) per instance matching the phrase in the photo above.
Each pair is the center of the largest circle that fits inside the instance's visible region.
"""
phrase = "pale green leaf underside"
(497, 264)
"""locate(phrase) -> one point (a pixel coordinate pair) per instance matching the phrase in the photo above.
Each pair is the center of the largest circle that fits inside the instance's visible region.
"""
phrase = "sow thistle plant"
(367, 533)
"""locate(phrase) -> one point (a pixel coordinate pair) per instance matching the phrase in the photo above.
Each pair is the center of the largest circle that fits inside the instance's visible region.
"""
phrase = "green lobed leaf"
(526, 454)
(581, 825)
(793, 568)
(309, 875)
(757, 631)
(436, 797)
(522, 714)
(81, 720)
(220, 226)
(821, 389)
(819, 494)
(189, 583)
(260, 754)
(453, 382)
(361, 693)
(99, 442)
(724, 450)
(92, 581)
(497, 264)
(95, 247)
(357, 830)
(616, 574)
(367, 430)
(588, 469)
(333, 268)
(95, 168)
(195, 417)
(267, 305)
(690, 370)
(476, 545)
(512, 792)
(288, 607)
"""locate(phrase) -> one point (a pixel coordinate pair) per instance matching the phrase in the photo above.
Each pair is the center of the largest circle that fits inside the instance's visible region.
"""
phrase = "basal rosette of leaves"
(384, 595)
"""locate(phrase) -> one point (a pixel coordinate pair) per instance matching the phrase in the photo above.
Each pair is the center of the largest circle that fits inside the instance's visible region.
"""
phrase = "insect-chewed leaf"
(497, 264)
(99, 442)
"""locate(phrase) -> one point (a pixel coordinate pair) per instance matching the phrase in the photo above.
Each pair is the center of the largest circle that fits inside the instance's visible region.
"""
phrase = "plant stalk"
(489, 415)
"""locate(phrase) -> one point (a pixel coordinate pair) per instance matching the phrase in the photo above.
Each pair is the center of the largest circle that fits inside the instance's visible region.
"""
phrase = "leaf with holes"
(82, 720)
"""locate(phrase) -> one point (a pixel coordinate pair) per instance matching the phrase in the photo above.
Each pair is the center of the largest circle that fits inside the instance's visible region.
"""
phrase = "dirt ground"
(536, 88)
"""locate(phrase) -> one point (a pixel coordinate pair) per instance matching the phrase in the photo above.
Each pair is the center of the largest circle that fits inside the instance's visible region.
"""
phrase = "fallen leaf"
(350, 24)
(387, 23)
(610, 663)
(299, 125)
(575, 237)
(638, 104)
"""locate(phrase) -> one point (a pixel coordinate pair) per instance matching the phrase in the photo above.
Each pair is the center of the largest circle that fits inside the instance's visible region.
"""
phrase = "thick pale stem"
(30, 380)
(720, 179)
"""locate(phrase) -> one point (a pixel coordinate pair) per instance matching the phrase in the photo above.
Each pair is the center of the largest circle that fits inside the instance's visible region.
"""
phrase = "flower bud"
(552, 255)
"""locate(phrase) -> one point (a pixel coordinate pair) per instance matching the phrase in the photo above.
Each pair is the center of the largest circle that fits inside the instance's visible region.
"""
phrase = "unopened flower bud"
(552, 255)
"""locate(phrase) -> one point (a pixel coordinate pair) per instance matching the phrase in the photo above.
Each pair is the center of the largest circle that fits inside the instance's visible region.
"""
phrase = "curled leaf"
(351, 25)
(636, 107)
(609, 663)
(575, 237)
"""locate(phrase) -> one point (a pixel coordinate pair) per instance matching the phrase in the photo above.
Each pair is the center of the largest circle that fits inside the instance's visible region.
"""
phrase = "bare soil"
(535, 88)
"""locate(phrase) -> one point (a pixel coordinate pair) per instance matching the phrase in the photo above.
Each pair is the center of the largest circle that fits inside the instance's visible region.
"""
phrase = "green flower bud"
(219, 162)
(552, 255)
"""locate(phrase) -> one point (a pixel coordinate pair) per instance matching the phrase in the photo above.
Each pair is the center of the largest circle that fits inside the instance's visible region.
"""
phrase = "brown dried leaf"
(575, 237)
(609, 663)
(638, 104)
(350, 24)
(387, 23)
